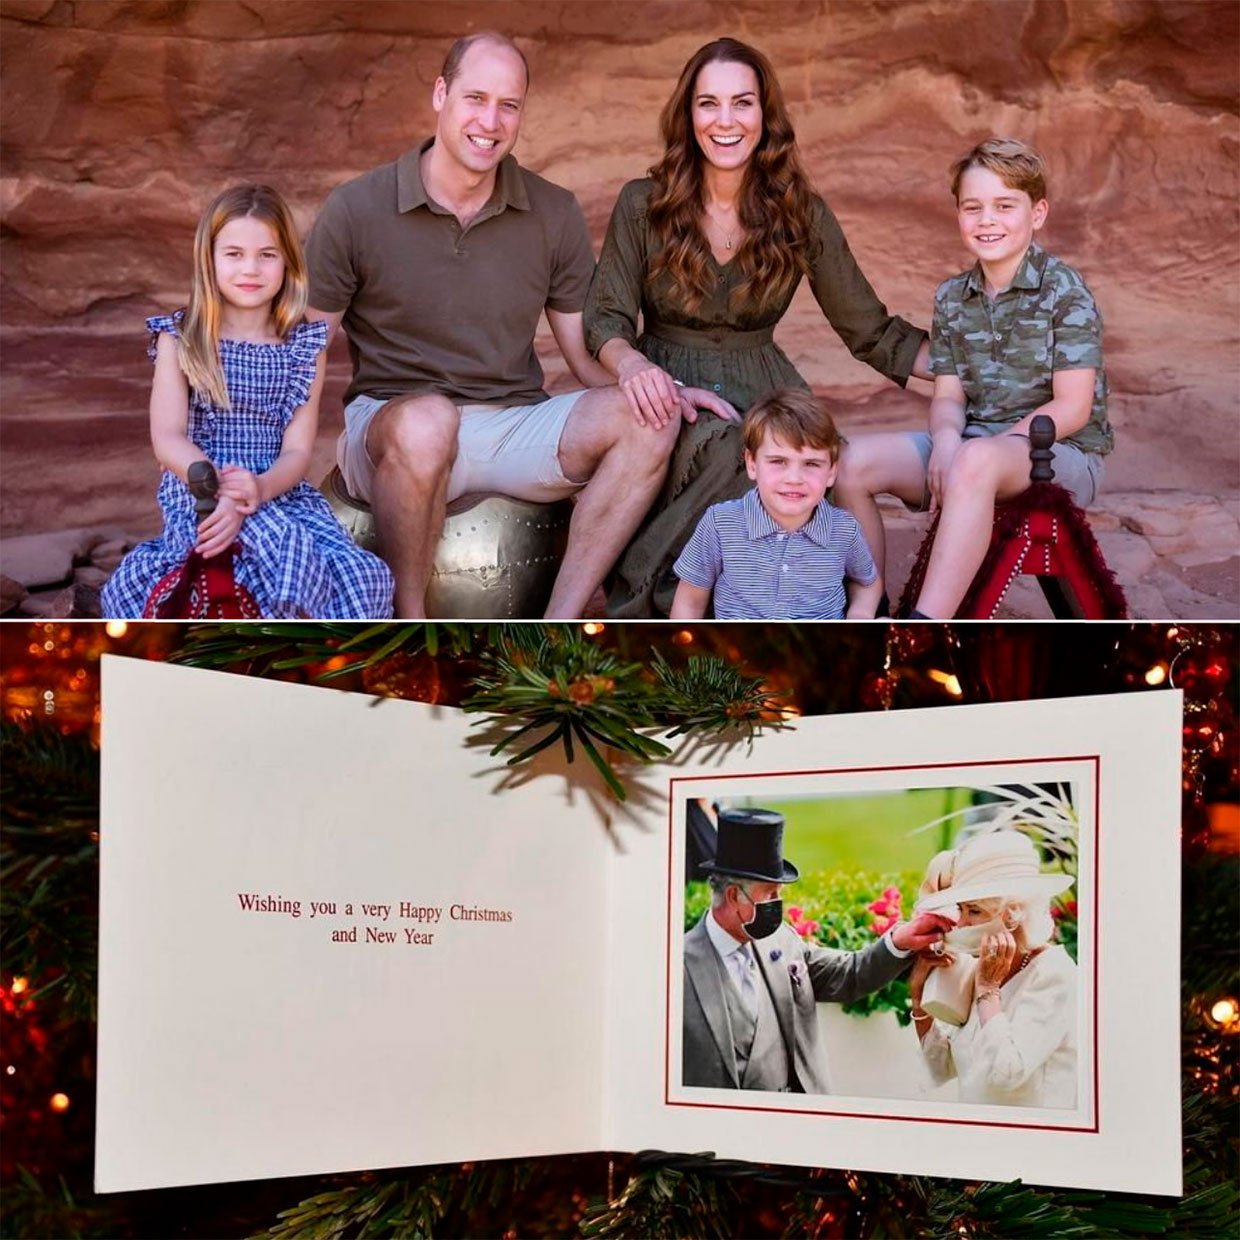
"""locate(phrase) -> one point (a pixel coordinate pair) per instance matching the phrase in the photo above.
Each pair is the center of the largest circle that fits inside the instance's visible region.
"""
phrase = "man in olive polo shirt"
(439, 266)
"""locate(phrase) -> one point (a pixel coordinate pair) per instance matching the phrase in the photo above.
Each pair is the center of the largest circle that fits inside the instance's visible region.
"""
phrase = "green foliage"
(662, 1201)
(49, 863)
(697, 901)
(715, 698)
(1066, 925)
(569, 691)
(838, 902)
(393, 1207)
(31, 1210)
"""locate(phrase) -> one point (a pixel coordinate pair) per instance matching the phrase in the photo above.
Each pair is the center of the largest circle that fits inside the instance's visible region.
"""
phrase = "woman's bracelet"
(916, 1014)
(989, 993)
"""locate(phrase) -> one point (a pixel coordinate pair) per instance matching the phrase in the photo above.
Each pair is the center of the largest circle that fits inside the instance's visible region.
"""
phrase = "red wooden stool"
(1041, 533)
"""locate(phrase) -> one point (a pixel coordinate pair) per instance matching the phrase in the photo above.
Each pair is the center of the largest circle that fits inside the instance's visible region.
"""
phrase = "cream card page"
(337, 934)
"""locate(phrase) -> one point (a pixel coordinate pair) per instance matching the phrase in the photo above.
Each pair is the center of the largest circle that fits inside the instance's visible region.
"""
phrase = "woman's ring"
(936, 949)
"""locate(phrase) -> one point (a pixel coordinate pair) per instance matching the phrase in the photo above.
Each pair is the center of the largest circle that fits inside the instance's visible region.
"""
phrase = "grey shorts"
(1079, 473)
(509, 449)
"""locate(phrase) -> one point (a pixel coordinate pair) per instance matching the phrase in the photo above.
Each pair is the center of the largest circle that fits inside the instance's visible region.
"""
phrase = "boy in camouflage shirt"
(1018, 334)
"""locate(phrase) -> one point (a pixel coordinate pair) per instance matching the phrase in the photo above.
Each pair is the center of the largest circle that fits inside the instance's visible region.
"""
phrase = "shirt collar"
(760, 524)
(1028, 274)
(411, 193)
(723, 942)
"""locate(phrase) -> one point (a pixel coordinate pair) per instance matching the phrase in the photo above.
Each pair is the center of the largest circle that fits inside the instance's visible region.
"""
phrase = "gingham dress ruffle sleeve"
(295, 558)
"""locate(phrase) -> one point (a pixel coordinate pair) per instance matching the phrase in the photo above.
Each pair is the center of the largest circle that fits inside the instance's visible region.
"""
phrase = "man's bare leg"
(982, 471)
(873, 465)
(412, 441)
(625, 464)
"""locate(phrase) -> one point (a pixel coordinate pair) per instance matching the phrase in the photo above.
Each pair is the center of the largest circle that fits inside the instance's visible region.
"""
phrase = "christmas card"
(337, 933)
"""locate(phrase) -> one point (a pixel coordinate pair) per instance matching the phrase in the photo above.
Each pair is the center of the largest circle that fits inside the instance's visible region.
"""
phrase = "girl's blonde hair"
(199, 351)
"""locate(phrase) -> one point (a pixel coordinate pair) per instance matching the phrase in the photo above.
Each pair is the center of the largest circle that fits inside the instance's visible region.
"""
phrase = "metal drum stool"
(497, 559)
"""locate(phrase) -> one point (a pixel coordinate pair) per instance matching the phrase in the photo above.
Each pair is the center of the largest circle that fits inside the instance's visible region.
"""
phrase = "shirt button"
(718, 387)
(998, 335)
(783, 568)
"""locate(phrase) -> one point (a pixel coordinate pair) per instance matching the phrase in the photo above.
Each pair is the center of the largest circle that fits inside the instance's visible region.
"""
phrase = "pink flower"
(893, 894)
(806, 929)
(794, 912)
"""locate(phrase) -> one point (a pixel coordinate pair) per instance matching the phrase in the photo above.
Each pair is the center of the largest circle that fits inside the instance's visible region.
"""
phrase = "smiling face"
(479, 115)
(249, 265)
(997, 222)
(727, 113)
(791, 481)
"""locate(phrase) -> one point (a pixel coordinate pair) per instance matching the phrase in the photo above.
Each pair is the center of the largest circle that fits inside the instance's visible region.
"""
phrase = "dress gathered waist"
(711, 337)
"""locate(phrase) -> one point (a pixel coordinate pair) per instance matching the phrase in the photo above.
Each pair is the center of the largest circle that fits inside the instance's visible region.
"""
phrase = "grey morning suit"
(724, 1047)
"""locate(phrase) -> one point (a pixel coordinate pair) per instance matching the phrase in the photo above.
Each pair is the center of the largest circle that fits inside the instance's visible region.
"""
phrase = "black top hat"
(751, 846)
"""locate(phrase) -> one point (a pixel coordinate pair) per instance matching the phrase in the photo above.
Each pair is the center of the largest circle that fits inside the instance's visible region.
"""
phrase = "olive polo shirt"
(1005, 352)
(432, 307)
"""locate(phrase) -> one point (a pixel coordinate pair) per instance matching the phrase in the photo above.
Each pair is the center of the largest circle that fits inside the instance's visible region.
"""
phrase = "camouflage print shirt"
(1005, 352)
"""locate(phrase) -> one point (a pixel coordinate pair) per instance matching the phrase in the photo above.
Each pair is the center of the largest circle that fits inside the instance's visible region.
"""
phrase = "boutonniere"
(775, 955)
(794, 972)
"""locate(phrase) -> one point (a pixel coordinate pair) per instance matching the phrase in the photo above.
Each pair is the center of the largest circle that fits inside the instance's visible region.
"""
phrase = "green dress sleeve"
(615, 298)
(884, 341)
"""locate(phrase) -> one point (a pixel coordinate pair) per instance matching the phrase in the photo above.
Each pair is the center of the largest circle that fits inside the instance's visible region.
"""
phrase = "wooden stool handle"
(204, 486)
(1041, 440)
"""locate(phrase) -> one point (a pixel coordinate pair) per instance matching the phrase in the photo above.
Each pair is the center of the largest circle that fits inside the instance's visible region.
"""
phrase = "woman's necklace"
(725, 233)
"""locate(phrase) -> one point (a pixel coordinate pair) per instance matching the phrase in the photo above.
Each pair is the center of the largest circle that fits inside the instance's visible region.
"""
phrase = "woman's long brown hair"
(199, 353)
(776, 201)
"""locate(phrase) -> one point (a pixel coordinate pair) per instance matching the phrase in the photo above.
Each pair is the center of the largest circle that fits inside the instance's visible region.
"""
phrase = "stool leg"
(1062, 598)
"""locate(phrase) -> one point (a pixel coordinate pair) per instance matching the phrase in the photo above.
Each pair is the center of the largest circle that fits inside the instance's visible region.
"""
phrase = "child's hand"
(217, 532)
(692, 399)
(241, 486)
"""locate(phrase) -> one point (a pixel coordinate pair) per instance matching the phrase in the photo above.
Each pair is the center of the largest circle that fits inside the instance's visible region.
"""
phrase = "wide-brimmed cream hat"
(1001, 863)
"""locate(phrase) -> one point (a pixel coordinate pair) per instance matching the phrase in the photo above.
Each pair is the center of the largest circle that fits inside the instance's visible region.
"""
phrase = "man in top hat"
(752, 983)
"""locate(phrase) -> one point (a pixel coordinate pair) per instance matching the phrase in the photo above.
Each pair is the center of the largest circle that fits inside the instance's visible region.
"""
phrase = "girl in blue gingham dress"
(291, 554)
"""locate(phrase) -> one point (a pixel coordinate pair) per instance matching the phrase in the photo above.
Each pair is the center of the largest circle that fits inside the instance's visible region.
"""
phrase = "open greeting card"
(336, 934)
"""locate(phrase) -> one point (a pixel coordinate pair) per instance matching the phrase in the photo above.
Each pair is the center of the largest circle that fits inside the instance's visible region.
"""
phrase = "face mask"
(969, 938)
(767, 916)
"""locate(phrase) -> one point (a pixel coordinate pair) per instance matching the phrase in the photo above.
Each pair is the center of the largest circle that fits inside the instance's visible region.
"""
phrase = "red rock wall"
(122, 119)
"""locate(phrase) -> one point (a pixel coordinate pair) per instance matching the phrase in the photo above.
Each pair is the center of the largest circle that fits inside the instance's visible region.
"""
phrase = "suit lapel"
(703, 966)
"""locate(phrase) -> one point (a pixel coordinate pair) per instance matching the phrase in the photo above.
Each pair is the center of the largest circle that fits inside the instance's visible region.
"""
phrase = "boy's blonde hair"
(1016, 163)
(796, 417)
(199, 352)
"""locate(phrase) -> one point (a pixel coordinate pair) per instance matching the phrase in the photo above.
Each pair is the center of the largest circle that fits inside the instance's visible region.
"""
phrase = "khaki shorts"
(1079, 473)
(511, 450)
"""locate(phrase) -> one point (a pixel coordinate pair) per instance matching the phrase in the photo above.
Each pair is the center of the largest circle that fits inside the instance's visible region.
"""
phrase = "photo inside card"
(791, 901)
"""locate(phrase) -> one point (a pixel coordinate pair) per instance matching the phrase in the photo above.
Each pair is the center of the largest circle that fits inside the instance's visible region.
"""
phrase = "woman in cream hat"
(1018, 1045)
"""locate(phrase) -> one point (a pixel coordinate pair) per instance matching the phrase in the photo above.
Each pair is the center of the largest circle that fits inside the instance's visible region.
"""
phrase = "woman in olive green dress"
(708, 252)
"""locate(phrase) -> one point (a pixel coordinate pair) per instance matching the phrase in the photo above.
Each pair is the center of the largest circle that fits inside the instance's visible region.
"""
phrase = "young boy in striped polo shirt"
(780, 552)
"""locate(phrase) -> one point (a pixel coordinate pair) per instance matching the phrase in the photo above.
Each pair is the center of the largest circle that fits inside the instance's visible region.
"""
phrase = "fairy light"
(683, 638)
(59, 1102)
(593, 628)
(116, 628)
(1225, 1012)
(19, 985)
(947, 680)
(1157, 674)
(10, 1070)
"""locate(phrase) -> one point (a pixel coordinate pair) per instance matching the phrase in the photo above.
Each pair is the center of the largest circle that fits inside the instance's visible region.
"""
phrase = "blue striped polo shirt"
(760, 571)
